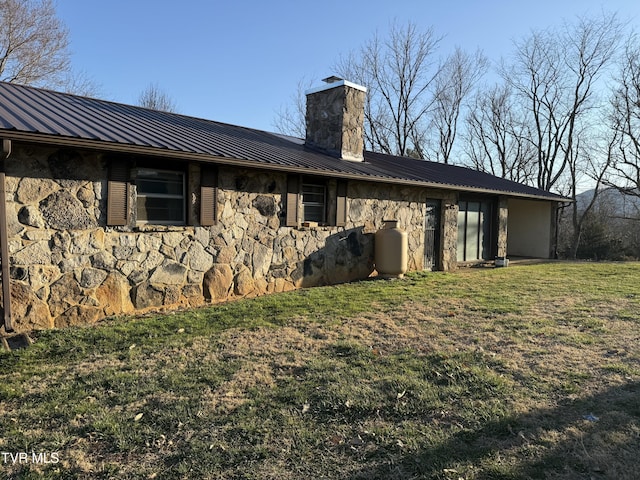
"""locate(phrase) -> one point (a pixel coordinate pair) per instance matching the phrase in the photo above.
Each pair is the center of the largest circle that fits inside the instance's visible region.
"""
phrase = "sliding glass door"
(474, 230)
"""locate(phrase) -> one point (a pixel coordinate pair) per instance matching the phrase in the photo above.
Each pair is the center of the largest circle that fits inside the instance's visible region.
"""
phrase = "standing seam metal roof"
(51, 117)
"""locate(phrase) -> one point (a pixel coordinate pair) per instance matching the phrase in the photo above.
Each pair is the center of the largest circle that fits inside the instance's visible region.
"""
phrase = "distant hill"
(612, 202)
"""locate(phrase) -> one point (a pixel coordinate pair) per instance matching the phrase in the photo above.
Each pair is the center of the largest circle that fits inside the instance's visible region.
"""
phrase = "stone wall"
(68, 268)
(449, 233)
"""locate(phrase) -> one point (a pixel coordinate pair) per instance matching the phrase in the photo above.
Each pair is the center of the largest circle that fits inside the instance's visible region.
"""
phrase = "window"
(161, 194)
(474, 231)
(314, 201)
(160, 197)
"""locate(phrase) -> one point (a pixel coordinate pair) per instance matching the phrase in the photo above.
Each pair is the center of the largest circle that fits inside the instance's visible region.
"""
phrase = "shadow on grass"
(597, 437)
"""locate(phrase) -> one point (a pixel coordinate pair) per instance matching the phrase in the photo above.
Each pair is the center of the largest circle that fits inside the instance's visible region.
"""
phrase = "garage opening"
(531, 225)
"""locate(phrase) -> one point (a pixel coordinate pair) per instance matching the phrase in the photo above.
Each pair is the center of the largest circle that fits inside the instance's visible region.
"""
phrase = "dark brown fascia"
(98, 145)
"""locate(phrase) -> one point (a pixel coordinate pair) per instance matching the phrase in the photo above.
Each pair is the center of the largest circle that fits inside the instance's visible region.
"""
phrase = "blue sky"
(240, 61)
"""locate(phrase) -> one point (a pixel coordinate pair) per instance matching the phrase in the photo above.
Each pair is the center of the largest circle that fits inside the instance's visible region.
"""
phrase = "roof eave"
(112, 147)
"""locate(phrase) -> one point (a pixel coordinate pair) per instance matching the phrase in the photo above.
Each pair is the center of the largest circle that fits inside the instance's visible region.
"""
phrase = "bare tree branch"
(290, 119)
(554, 73)
(33, 44)
(625, 121)
(456, 79)
(496, 136)
(156, 99)
(398, 72)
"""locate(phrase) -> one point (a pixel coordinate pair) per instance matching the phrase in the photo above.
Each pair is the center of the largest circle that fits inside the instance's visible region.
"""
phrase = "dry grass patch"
(526, 372)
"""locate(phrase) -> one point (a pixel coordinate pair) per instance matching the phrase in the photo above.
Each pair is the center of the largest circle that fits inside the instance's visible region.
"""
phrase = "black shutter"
(341, 203)
(208, 196)
(118, 193)
(293, 194)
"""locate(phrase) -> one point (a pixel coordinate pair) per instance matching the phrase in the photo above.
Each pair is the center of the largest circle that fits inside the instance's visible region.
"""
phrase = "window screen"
(314, 200)
(160, 197)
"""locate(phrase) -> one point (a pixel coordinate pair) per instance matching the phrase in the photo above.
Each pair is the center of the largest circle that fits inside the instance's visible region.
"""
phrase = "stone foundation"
(68, 268)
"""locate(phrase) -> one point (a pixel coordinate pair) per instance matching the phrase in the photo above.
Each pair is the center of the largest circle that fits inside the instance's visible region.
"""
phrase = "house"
(111, 209)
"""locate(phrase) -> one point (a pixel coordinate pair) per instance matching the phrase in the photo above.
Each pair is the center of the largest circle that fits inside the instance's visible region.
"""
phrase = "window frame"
(316, 183)
(476, 229)
(182, 197)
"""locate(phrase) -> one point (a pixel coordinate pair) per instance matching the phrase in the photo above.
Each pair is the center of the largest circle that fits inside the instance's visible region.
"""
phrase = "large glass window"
(160, 197)
(314, 201)
(474, 231)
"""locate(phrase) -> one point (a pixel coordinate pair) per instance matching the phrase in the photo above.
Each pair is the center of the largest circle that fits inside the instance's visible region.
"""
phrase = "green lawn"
(523, 372)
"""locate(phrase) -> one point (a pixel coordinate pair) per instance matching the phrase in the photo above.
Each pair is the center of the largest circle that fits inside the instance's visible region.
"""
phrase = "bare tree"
(290, 119)
(544, 126)
(626, 121)
(399, 73)
(156, 99)
(555, 73)
(457, 77)
(33, 44)
(413, 100)
(497, 136)
(592, 161)
(79, 83)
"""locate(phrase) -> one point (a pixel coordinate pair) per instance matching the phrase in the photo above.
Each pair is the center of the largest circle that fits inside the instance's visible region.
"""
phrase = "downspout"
(4, 239)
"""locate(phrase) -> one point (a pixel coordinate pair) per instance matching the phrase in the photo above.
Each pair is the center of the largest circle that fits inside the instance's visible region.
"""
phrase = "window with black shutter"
(316, 200)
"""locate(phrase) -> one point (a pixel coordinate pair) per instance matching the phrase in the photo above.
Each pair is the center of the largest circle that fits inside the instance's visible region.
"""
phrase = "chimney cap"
(332, 79)
(333, 82)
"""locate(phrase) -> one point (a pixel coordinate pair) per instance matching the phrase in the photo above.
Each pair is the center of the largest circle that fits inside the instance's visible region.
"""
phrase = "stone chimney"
(335, 119)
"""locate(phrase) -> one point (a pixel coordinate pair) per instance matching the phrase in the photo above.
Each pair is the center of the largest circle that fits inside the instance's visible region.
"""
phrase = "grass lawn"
(523, 372)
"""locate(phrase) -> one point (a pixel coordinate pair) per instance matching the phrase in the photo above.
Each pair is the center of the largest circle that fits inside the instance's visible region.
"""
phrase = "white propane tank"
(391, 250)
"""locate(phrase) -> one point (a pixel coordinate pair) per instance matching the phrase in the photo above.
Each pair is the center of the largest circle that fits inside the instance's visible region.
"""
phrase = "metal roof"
(43, 116)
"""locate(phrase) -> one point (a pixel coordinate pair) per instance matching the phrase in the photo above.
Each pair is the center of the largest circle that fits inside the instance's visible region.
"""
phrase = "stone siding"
(68, 268)
(503, 220)
(335, 122)
(449, 232)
